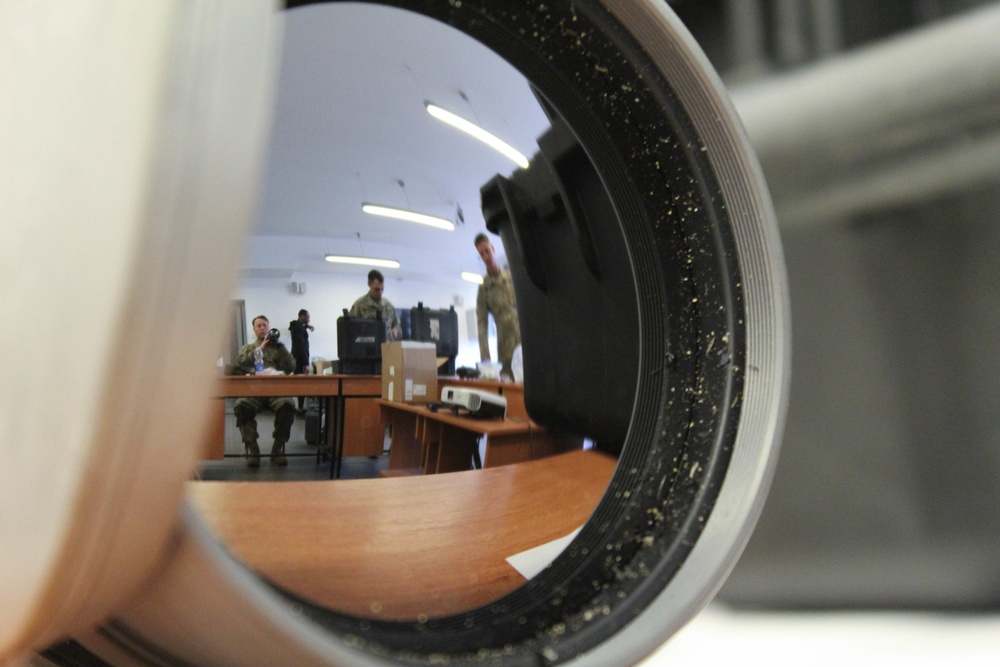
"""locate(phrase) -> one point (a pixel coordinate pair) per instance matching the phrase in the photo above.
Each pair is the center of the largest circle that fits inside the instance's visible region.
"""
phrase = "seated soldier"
(276, 357)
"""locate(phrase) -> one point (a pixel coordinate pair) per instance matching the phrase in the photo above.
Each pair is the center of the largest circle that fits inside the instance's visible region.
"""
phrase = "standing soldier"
(496, 296)
(372, 303)
(300, 329)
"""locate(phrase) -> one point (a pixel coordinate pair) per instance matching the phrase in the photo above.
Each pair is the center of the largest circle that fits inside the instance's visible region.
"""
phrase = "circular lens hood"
(694, 232)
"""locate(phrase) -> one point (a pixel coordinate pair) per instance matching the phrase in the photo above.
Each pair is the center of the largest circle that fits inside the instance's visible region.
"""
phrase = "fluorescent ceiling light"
(364, 261)
(478, 133)
(472, 277)
(409, 216)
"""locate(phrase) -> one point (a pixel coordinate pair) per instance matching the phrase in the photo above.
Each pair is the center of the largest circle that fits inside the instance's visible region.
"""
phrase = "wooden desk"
(277, 385)
(434, 442)
(361, 431)
(399, 548)
(349, 403)
(265, 386)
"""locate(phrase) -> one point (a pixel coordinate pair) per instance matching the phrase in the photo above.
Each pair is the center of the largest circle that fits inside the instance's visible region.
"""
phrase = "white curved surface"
(131, 144)
(721, 635)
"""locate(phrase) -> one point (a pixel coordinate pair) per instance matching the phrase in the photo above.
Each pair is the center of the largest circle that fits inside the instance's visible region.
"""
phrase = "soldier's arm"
(244, 361)
(395, 327)
(286, 362)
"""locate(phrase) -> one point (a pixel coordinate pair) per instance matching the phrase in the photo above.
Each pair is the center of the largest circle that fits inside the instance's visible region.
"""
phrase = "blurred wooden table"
(400, 548)
(426, 441)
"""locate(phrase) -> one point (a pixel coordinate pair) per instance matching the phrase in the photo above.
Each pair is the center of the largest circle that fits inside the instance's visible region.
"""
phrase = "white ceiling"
(350, 123)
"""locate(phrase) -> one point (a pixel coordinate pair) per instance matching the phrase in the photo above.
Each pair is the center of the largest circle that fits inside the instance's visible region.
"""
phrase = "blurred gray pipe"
(913, 118)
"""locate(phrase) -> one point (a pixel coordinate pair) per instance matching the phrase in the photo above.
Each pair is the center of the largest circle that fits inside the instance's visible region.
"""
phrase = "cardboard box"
(409, 372)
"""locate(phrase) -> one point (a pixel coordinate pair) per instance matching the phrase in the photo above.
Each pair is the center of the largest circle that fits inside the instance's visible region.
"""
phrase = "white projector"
(478, 402)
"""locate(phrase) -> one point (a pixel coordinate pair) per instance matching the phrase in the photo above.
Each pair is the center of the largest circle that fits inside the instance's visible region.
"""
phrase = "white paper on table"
(531, 562)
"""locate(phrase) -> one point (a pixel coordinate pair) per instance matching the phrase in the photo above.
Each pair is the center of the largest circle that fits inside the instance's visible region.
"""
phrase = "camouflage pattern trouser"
(246, 410)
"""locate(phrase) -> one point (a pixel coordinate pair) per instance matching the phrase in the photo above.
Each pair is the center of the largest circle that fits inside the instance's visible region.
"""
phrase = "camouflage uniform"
(496, 296)
(367, 308)
(246, 408)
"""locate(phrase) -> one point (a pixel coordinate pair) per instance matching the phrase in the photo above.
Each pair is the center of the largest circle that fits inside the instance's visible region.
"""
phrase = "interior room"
(888, 240)
(339, 142)
(750, 412)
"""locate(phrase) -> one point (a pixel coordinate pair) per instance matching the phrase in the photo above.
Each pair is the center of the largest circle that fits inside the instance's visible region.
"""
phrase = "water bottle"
(258, 361)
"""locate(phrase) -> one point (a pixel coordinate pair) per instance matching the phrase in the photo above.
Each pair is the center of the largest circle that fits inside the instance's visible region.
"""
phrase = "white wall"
(328, 294)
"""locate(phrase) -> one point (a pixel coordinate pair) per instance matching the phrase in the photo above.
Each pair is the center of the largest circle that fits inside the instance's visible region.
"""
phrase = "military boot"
(278, 454)
(253, 454)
